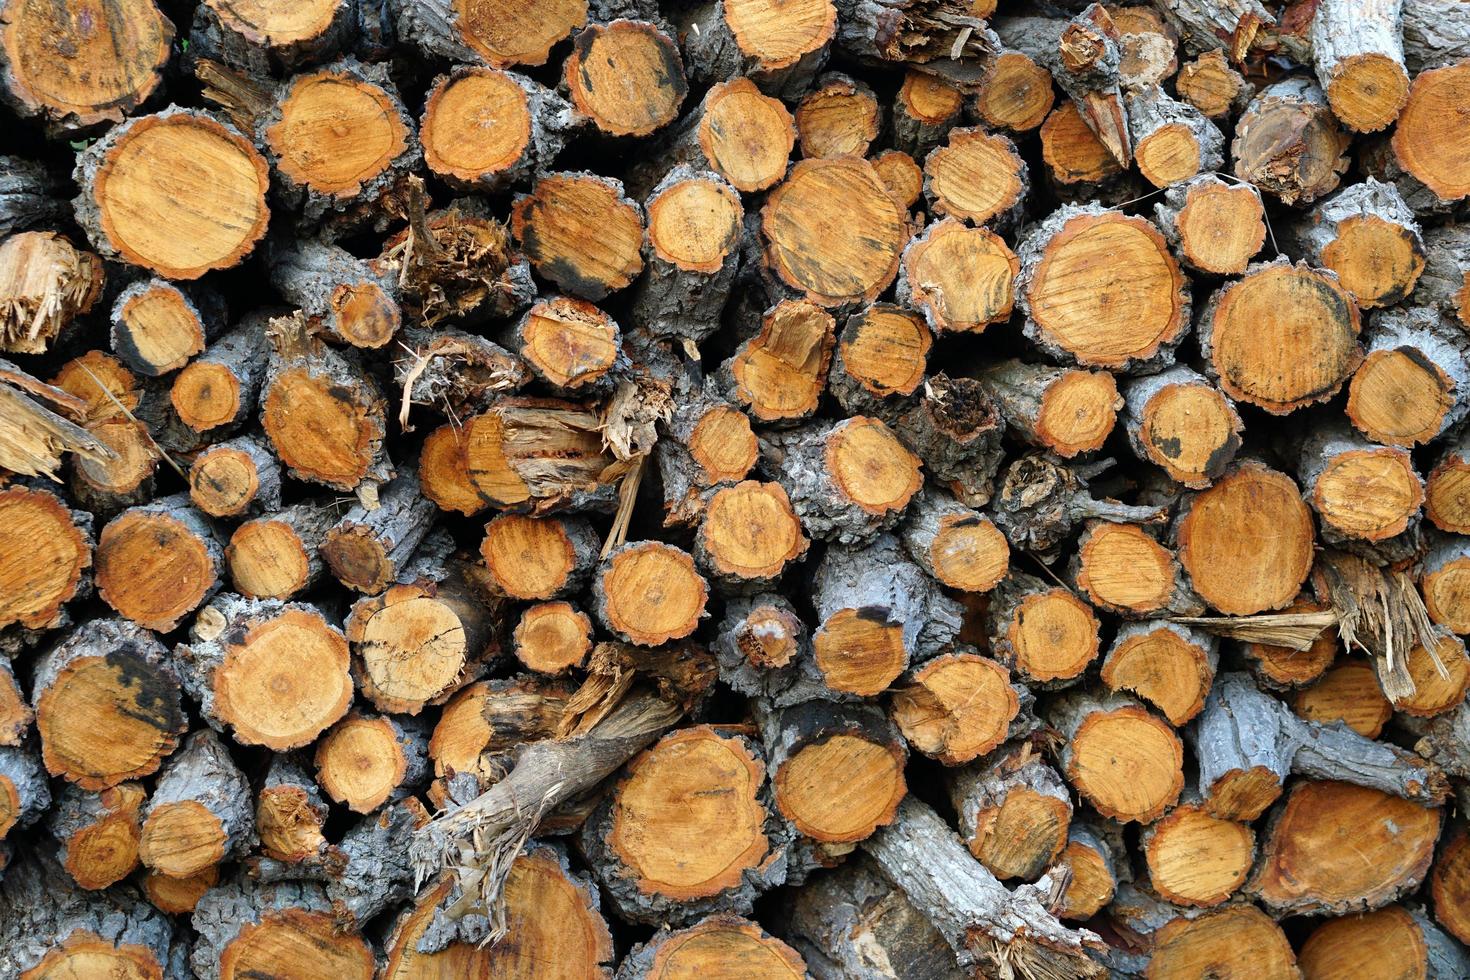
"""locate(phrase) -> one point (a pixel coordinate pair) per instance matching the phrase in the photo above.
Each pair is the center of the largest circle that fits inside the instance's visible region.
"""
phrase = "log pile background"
(750, 488)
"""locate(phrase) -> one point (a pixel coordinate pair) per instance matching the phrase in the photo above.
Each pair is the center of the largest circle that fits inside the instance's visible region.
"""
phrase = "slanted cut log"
(246, 928)
(45, 284)
(1168, 665)
(98, 833)
(552, 637)
(45, 551)
(960, 278)
(538, 450)
(1421, 146)
(136, 208)
(1396, 835)
(1122, 569)
(957, 707)
(1397, 938)
(648, 593)
(695, 223)
(1360, 490)
(1212, 86)
(276, 674)
(1016, 94)
(1348, 692)
(626, 76)
(267, 38)
(1124, 760)
(502, 33)
(290, 815)
(748, 535)
(879, 360)
(925, 109)
(1067, 411)
(581, 233)
(1046, 634)
(1237, 941)
(199, 814)
(107, 705)
(1181, 423)
(1288, 143)
(365, 760)
(277, 556)
(838, 117)
(235, 477)
(1014, 811)
(367, 550)
(779, 374)
(158, 562)
(781, 47)
(178, 896)
(1195, 859)
(1413, 384)
(484, 129)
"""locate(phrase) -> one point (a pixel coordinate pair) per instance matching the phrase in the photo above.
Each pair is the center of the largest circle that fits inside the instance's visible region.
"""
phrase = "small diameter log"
(847, 481)
(901, 175)
(1015, 94)
(485, 130)
(686, 830)
(954, 543)
(880, 359)
(1280, 313)
(290, 815)
(24, 794)
(1040, 502)
(246, 929)
(1121, 568)
(157, 327)
(1213, 225)
(217, 390)
(200, 813)
(78, 69)
(323, 414)
(236, 477)
(365, 760)
(986, 925)
(45, 551)
(539, 557)
(832, 231)
(157, 563)
(1347, 692)
(836, 770)
(275, 673)
(265, 39)
(581, 233)
(1095, 857)
(1212, 86)
(1248, 742)
(721, 946)
(695, 223)
(1067, 411)
(1082, 306)
(95, 379)
(110, 486)
(1445, 282)
(368, 550)
(648, 593)
(1124, 760)
(748, 535)
(924, 110)
(552, 916)
(1045, 633)
(955, 430)
(1449, 881)
(846, 920)
(782, 48)
(276, 557)
(1396, 938)
(1303, 870)
(1367, 235)
(1078, 166)
(107, 705)
(178, 896)
(977, 177)
(779, 374)
(764, 651)
(416, 644)
(1440, 678)
(960, 278)
(350, 301)
(1284, 668)
(1357, 49)
(878, 613)
(1237, 941)
(1413, 384)
(1360, 490)
(626, 77)
(1444, 581)
(503, 34)
(98, 833)
(1447, 490)
(1168, 665)
(957, 707)
(552, 637)
(1014, 811)
(1287, 142)
(45, 284)
(1195, 859)
(1181, 423)
(183, 227)
(1172, 140)
(839, 117)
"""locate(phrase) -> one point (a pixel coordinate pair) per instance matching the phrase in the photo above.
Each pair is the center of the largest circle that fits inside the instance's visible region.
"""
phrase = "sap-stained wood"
(734, 489)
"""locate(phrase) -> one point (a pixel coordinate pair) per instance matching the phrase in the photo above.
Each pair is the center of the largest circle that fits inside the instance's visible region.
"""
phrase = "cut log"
(1125, 761)
(15, 713)
(1181, 423)
(1445, 282)
(368, 550)
(878, 614)
(581, 233)
(1448, 884)
(1195, 859)
(1078, 166)
(444, 473)
(625, 76)
(977, 177)
(1100, 289)
(365, 760)
(247, 928)
(275, 673)
(695, 223)
(158, 562)
(838, 117)
(552, 637)
(157, 327)
(1439, 678)
(960, 278)
(290, 815)
(77, 68)
(180, 227)
(1282, 337)
(1396, 835)
(721, 947)
(1413, 384)
(880, 360)
(764, 650)
(1121, 568)
(542, 451)
(955, 430)
(232, 478)
(1359, 490)
(264, 38)
(353, 304)
(779, 374)
(833, 232)
(707, 443)
(95, 379)
(276, 557)
(1045, 634)
(742, 135)
(107, 705)
(1240, 941)
(539, 557)
(901, 175)
(1093, 856)
(1358, 52)
(955, 544)
(1066, 411)
(45, 552)
(836, 770)
(986, 925)
(686, 831)
(779, 46)
(1288, 143)
(127, 479)
(484, 722)
(1367, 235)
(1213, 87)
(199, 814)
(217, 390)
(1172, 140)
(1284, 667)
(505, 33)
(748, 535)
(959, 706)
(1347, 692)
(1421, 146)
(1168, 665)
(1447, 490)
(925, 109)
(45, 284)
(1014, 811)
(1444, 581)
(1016, 94)
(98, 833)
(648, 593)
(24, 795)
(484, 129)
(1395, 938)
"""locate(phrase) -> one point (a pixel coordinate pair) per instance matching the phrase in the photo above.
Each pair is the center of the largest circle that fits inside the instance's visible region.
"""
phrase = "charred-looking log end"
(1191, 431)
(581, 232)
(156, 328)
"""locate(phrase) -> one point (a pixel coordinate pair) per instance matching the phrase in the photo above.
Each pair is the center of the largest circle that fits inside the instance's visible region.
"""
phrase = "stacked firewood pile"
(561, 489)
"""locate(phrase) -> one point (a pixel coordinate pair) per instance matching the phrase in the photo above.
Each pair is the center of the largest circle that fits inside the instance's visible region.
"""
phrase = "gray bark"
(1436, 33)
(986, 783)
(1151, 109)
(23, 775)
(235, 41)
(955, 429)
(202, 772)
(30, 196)
(393, 531)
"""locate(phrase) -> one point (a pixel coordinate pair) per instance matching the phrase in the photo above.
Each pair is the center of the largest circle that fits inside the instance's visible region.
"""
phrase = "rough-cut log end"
(626, 76)
(44, 552)
(781, 372)
(321, 429)
(156, 328)
(1435, 693)
(1195, 859)
(956, 707)
(841, 785)
(413, 646)
(976, 176)
(269, 559)
(1074, 156)
(650, 593)
(1165, 665)
(884, 349)
(101, 842)
(580, 232)
(1400, 397)
(695, 224)
(961, 278)
(156, 564)
(536, 557)
(871, 468)
(1220, 226)
(1210, 85)
(1188, 429)
(747, 137)
(719, 945)
(552, 637)
(1288, 143)
(1369, 493)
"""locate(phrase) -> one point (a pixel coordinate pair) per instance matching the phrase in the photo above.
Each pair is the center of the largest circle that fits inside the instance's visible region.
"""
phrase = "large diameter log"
(45, 284)
(1398, 938)
(1125, 761)
(977, 177)
(247, 928)
(1430, 155)
(200, 812)
(1237, 941)
(1287, 142)
(183, 227)
(626, 77)
(780, 47)
(159, 562)
(45, 551)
